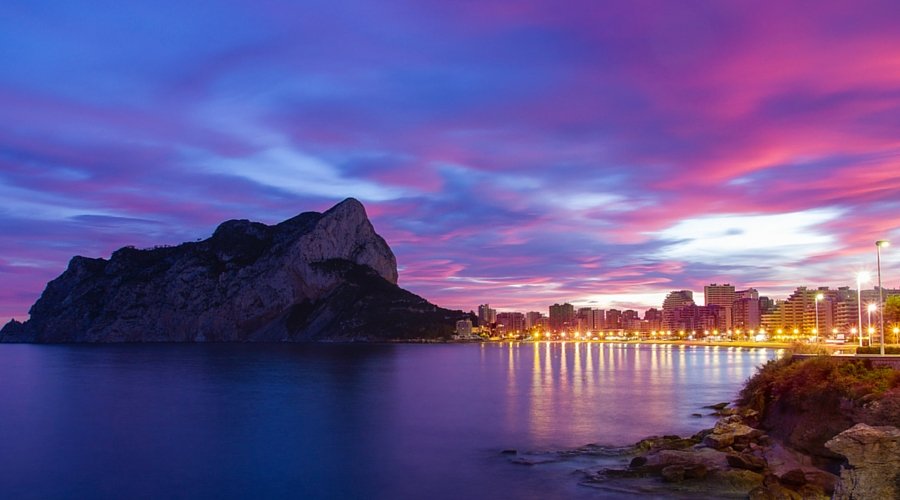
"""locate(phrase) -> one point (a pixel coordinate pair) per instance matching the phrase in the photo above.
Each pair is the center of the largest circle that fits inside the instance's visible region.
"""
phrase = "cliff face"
(313, 277)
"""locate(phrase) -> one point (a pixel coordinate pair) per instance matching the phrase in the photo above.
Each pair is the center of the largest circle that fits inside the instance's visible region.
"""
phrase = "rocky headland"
(801, 429)
(315, 277)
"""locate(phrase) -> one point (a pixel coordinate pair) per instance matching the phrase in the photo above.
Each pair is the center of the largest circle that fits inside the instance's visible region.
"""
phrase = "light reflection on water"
(578, 392)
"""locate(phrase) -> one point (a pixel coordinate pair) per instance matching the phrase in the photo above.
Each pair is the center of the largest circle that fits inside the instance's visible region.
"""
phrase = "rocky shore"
(771, 445)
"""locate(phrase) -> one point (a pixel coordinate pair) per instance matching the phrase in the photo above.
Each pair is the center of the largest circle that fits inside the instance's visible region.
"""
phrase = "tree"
(891, 317)
(892, 309)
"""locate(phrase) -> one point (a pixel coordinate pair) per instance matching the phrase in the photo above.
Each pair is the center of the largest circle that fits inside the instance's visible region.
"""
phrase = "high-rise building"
(631, 320)
(464, 328)
(513, 322)
(614, 319)
(654, 319)
(765, 305)
(745, 314)
(674, 302)
(533, 319)
(486, 315)
(585, 319)
(562, 317)
(722, 296)
(599, 320)
(797, 313)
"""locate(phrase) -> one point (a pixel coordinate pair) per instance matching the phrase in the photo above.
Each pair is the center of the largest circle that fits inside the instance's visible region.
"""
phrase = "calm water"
(337, 421)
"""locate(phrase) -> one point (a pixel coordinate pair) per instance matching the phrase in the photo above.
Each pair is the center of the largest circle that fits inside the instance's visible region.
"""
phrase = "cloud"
(298, 173)
(740, 240)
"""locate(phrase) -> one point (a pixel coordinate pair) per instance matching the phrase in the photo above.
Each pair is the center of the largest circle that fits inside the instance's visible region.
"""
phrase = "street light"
(870, 309)
(878, 246)
(861, 277)
(819, 297)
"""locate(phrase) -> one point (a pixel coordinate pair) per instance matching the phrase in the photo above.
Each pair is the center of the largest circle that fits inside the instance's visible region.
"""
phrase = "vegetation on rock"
(806, 402)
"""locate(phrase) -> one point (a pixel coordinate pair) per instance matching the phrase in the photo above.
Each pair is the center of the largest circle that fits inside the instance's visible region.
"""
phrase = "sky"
(515, 153)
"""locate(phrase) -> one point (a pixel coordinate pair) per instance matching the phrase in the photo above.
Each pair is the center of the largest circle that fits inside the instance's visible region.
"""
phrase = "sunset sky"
(518, 153)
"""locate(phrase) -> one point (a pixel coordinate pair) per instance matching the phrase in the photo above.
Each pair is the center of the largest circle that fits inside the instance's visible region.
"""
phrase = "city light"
(819, 296)
(878, 246)
(861, 277)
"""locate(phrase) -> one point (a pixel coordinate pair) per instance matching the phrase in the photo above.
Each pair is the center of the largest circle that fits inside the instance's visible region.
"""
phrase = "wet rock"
(656, 443)
(717, 406)
(673, 473)
(697, 471)
(718, 441)
(730, 430)
(509, 452)
(637, 462)
(873, 454)
(607, 474)
(748, 413)
(820, 480)
(747, 462)
(793, 477)
(708, 457)
(773, 492)
(734, 480)
(698, 415)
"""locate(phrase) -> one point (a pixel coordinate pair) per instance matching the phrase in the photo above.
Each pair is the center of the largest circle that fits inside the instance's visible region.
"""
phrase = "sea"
(342, 421)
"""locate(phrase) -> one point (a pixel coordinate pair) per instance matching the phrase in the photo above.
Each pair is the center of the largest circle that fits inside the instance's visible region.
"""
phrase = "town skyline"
(644, 306)
(725, 311)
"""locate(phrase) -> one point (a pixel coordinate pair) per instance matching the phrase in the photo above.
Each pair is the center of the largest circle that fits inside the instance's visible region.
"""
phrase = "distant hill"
(315, 277)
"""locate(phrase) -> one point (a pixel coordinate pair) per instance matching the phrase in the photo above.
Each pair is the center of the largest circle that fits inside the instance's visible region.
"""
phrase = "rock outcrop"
(731, 460)
(873, 456)
(317, 276)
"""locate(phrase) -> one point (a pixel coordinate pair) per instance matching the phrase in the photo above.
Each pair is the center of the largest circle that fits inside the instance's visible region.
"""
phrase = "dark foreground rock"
(315, 277)
(873, 456)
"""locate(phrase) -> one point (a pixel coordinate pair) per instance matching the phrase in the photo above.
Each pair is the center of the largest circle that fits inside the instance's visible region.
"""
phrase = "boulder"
(873, 456)
(673, 473)
(708, 457)
(747, 462)
(718, 441)
(730, 430)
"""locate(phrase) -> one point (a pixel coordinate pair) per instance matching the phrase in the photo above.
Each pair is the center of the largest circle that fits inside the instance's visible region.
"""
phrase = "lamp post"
(878, 246)
(819, 297)
(860, 278)
(870, 308)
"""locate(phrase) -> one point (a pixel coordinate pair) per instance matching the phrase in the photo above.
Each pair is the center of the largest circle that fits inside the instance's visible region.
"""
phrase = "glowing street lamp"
(819, 297)
(870, 309)
(861, 277)
(878, 246)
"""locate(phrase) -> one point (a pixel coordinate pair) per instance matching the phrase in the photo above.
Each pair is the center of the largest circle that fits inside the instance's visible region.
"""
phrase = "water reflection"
(570, 388)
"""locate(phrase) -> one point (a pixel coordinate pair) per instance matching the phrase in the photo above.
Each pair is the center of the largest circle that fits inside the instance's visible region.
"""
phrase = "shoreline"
(845, 449)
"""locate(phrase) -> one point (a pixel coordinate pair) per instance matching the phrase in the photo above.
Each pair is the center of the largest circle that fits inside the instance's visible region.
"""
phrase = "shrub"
(874, 349)
(806, 382)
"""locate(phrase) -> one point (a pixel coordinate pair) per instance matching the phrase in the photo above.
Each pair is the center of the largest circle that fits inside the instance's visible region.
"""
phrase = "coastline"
(801, 427)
